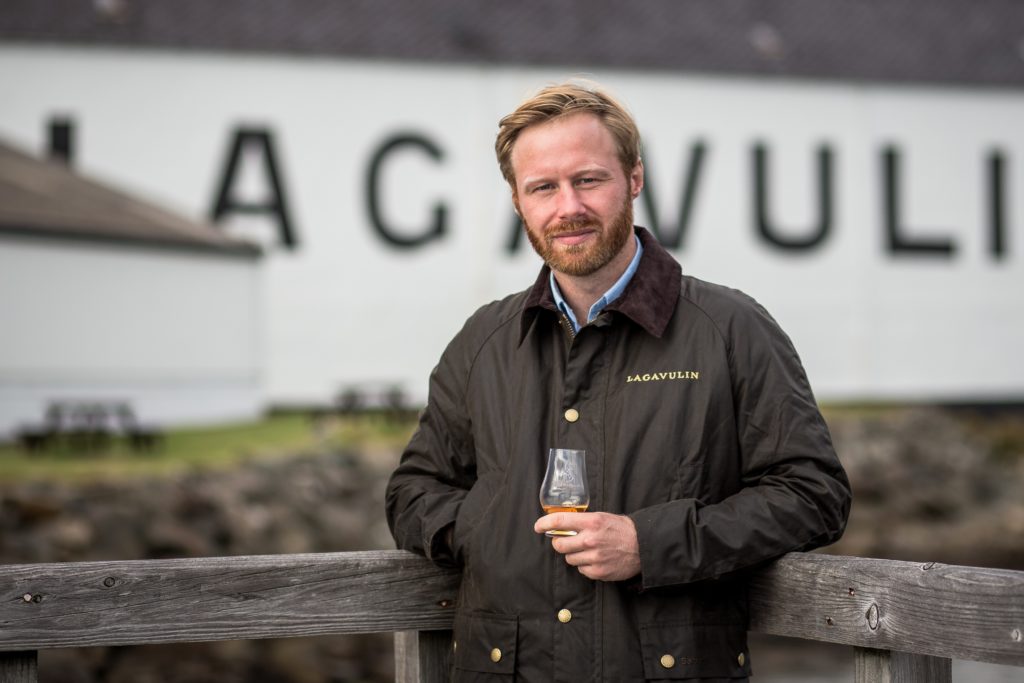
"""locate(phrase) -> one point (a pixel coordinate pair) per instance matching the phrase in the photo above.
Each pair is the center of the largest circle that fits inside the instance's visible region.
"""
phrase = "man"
(705, 451)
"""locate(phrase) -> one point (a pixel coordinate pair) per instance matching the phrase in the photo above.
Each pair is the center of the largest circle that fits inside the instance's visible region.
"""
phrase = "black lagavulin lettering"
(405, 238)
(823, 226)
(276, 205)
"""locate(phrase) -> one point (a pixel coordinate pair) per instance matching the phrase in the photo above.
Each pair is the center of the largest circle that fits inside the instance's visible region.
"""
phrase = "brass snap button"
(495, 655)
(742, 659)
(668, 661)
(564, 616)
(572, 415)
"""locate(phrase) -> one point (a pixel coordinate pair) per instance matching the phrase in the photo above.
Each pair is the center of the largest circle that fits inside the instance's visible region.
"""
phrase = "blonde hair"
(571, 97)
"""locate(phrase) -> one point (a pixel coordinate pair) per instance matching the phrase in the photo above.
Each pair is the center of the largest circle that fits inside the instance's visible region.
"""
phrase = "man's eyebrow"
(540, 178)
(585, 171)
(592, 170)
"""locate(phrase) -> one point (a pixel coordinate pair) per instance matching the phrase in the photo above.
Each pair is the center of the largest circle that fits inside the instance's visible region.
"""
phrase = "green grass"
(287, 434)
(276, 436)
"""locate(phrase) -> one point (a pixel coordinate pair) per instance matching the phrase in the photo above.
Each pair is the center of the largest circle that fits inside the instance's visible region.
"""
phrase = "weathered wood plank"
(423, 656)
(193, 600)
(886, 666)
(942, 611)
(18, 667)
(932, 609)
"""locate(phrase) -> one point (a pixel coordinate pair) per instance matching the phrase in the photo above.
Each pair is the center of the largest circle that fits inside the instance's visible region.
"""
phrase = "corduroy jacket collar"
(648, 300)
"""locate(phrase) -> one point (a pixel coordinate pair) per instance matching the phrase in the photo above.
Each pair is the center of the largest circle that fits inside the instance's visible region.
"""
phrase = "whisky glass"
(565, 485)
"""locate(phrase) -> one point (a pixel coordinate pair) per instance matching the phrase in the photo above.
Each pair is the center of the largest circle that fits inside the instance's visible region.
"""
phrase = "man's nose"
(569, 204)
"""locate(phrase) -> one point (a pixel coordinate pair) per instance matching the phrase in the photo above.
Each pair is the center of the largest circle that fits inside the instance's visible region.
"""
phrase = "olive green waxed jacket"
(698, 423)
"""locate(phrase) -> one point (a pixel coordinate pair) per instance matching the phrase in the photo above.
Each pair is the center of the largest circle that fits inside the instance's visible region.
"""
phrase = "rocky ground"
(321, 502)
(934, 485)
(930, 485)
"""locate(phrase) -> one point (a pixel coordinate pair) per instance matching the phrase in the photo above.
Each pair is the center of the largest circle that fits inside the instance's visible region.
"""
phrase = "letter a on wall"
(275, 206)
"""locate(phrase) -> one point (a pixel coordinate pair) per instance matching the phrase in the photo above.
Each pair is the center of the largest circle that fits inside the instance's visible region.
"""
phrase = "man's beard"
(584, 259)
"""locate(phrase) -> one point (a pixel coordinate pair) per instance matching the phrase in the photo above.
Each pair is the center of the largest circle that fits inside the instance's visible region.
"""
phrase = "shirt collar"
(613, 293)
(648, 299)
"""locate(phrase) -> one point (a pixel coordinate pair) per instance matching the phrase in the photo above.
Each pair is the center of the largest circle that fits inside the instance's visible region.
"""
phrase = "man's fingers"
(605, 548)
(570, 544)
(562, 521)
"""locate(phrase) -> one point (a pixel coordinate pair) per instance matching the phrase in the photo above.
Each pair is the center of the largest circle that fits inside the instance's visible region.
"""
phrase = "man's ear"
(636, 179)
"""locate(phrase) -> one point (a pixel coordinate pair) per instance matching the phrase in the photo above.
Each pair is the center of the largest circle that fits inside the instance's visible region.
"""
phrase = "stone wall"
(934, 485)
(321, 502)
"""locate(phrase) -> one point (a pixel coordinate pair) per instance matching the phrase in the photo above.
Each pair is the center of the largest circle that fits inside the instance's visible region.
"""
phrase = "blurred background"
(235, 237)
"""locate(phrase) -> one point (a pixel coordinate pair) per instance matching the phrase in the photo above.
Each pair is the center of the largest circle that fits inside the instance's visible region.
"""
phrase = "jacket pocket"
(474, 508)
(679, 650)
(485, 646)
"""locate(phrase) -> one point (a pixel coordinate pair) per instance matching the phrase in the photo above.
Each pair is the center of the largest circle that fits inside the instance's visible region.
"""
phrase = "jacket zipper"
(567, 326)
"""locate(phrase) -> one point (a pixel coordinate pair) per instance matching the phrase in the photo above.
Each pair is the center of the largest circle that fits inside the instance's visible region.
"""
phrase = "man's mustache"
(566, 227)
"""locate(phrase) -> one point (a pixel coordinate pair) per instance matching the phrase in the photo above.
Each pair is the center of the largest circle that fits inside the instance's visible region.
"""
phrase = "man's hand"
(605, 546)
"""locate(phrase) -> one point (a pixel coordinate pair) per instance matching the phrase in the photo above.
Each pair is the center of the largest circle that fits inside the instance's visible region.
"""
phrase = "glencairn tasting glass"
(565, 485)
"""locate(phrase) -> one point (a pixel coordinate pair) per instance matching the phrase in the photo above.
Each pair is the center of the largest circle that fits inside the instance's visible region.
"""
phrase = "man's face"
(572, 193)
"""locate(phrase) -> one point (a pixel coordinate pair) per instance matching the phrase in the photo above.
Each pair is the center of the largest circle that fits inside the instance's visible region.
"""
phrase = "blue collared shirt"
(613, 293)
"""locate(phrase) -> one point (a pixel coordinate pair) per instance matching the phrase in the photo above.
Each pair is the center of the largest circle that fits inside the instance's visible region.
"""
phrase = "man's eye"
(542, 188)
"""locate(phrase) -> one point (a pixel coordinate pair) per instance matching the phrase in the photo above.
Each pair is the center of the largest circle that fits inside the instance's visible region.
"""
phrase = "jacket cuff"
(642, 522)
(436, 539)
(663, 552)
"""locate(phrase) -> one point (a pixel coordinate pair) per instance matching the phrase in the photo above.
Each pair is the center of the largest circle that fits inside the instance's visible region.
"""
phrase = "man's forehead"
(575, 120)
(582, 133)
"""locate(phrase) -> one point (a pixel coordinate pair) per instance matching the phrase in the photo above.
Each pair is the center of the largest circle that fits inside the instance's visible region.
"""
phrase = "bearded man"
(706, 454)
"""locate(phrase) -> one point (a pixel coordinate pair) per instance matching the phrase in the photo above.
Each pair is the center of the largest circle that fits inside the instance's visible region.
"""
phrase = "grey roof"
(46, 199)
(926, 41)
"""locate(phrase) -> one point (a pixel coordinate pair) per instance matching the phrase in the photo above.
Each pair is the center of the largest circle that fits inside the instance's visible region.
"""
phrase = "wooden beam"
(423, 656)
(18, 667)
(887, 666)
(937, 610)
(228, 598)
(932, 609)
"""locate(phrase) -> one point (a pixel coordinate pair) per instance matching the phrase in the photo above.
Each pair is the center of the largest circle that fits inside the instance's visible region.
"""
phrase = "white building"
(854, 166)
(107, 298)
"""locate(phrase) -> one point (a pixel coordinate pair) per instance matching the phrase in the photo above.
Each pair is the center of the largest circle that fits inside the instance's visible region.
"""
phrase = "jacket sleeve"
(437, 468)
(793, 493)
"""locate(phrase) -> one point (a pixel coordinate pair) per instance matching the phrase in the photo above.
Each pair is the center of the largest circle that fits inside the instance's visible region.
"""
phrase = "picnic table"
(89, 425)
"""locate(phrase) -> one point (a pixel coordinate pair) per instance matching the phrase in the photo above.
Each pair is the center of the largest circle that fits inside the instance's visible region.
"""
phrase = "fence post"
(422, 656)
(18, 667)
(890, 666)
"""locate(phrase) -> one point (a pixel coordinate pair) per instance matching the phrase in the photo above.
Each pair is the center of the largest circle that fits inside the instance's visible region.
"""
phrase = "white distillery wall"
(177, 334)
(934, 313)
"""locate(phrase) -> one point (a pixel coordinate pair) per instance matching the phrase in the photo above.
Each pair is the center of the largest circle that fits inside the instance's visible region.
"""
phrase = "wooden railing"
(906, 621)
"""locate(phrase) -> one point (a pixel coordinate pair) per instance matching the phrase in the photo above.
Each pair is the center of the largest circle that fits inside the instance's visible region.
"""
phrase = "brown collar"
(648, 300)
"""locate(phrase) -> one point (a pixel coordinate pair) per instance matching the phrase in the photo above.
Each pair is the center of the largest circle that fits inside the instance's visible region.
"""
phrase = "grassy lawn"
(288, 434)
(277, 435)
